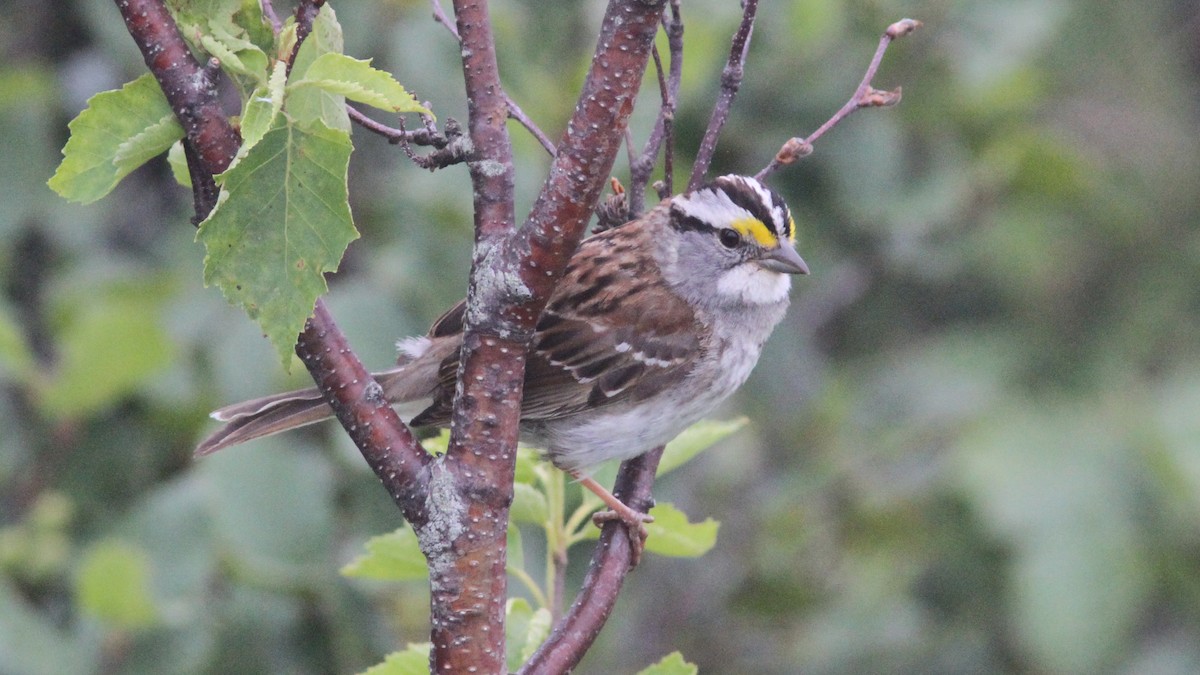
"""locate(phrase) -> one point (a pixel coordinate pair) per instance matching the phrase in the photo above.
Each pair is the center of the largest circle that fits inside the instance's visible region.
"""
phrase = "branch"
(581, 169)
(211, 144)
(465, 540)
(731, 80)
(190, 89)
(574, 633)
(268, 10)
(427, 135)
(512, 277)
(662, 134)
(389, 447)
(306, 12)
(514, 110)
(866, 96)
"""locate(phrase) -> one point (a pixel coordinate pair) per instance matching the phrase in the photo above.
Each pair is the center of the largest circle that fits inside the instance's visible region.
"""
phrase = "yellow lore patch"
(754, 228)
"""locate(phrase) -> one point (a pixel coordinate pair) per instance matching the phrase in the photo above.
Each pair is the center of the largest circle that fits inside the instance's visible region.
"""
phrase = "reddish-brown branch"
(360, 405)
(585, 156)
(190, 89)
(210, 145)
(865, 96)
(574, 633)
(514, 110)
(465, 541)
(306, 12)
(661, 136)
(731, 81)
(512, 278)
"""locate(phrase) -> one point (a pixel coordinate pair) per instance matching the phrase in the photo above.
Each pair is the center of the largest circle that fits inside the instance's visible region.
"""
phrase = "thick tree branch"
(512, 278)
(574, 634)
(585, 156)
(190, 88)
(368, 417)
(465, 539)
(731, 81)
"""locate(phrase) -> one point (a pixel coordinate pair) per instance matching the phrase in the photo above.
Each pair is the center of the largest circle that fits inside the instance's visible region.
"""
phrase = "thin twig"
(514, 111)
(459, 148)
(661, 136)
(731, 80)
(865, 96)
(427, 136)
(268, 11)
(306, 12)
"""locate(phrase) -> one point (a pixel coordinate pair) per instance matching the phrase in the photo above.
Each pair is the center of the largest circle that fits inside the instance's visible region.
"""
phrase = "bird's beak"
(784, 260)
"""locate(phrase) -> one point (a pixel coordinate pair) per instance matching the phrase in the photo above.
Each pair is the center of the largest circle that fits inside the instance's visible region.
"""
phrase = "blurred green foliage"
(975, 442)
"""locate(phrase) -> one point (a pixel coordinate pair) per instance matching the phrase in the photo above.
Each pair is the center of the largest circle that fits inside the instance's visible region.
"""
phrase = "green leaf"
(414, 660)
(529, 505)
(310, 104)
(250, 19)
(695, 439)
(524, 630)
(282, 221)
(516, 548)
(357, 81)
(672, 535)
(671, 664)
(437, 445)
(116, 133)
(390, 557)
(237, 54)
(201, 11)
(107, 349)
(227, 56)
(151, 142)
(177, 160)
(114, 585)
(262, 109)
(527, 461)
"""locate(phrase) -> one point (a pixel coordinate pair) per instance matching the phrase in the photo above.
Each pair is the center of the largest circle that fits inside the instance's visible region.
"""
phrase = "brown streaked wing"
(610, 333)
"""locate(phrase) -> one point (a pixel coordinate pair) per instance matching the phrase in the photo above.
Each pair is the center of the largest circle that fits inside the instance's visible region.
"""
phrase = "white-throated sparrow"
(653, 324)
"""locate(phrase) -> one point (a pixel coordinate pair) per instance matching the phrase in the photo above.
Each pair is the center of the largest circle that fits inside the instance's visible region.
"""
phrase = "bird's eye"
(729, 238)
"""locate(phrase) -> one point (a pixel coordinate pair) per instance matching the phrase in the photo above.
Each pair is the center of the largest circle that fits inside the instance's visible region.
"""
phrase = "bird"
(653, 324)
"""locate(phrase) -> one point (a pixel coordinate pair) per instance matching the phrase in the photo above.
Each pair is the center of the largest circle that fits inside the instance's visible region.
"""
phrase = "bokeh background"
(976, 438)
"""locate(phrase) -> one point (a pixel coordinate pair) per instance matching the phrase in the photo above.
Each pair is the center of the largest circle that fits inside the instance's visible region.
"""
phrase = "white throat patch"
(754, 285)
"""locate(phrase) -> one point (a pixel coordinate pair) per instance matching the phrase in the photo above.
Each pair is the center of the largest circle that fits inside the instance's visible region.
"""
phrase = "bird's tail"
(268, 415)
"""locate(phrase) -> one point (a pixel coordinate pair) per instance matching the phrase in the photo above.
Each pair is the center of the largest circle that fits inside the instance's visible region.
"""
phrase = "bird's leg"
(634, 521)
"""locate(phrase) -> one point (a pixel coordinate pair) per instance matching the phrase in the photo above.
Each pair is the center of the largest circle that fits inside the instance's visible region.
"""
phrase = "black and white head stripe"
(739, 202)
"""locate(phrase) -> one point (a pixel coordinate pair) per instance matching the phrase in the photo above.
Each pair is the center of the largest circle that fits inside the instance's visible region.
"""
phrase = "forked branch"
(866, 96)
(212, 143)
